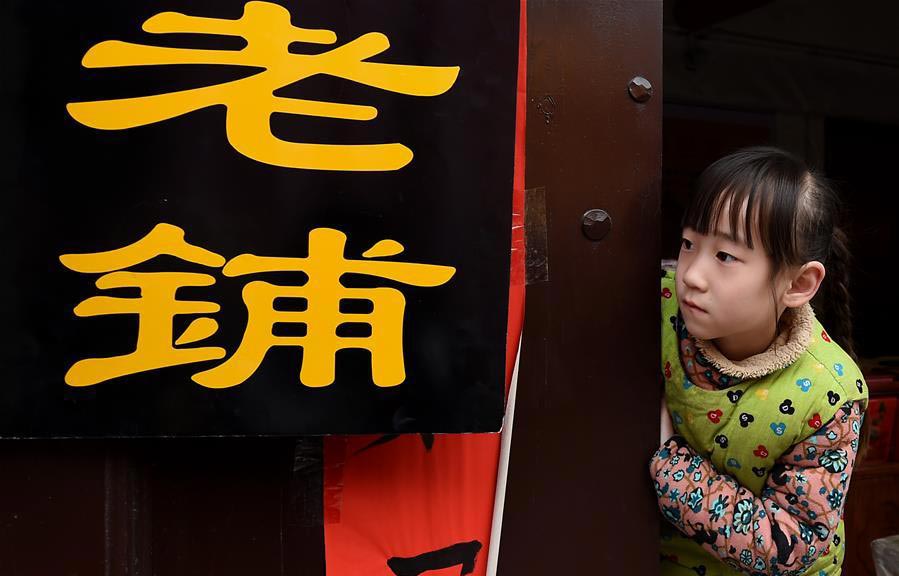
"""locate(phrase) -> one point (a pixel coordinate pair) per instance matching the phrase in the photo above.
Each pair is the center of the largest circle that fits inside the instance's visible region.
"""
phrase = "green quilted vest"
(749, 415)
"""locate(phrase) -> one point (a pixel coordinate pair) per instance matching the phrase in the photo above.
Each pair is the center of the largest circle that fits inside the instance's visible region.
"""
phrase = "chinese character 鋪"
(322, 317)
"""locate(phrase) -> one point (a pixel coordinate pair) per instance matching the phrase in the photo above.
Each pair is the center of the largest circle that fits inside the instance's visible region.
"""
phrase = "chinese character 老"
(250, 102)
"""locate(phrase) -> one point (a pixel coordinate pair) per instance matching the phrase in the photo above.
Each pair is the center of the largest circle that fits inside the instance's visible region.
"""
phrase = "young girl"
(765, 405)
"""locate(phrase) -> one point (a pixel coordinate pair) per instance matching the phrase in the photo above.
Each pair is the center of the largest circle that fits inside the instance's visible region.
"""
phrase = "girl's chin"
(697, 330)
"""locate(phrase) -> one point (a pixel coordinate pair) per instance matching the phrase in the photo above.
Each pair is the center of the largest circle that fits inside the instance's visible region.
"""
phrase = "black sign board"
(255, 218)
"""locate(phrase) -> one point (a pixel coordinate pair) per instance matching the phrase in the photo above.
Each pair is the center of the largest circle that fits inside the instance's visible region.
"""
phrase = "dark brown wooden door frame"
(579, 499)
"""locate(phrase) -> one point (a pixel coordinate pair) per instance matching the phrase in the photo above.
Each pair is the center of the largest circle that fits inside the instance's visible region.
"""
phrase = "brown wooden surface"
(872, 512)
(203, 507)
(579, 500)
(52, 518)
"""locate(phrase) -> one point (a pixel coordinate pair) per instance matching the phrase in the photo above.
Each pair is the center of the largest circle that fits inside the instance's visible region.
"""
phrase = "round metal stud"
(640, 89)
(596, 224)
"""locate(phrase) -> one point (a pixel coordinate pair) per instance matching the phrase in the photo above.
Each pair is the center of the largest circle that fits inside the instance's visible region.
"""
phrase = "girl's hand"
(666, 426)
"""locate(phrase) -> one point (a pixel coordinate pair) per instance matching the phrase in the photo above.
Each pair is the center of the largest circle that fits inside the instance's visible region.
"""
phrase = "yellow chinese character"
(156, 307)
(323, 293)
(250, 101)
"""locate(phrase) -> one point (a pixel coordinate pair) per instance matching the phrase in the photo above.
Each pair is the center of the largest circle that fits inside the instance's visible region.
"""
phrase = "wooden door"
(579, 499)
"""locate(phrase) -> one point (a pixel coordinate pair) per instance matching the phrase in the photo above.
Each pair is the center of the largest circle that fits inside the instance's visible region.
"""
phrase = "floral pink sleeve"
(789, 525)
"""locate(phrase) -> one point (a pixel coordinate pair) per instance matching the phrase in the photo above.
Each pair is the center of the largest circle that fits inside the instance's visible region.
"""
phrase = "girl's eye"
(686, 244)
(723, 256)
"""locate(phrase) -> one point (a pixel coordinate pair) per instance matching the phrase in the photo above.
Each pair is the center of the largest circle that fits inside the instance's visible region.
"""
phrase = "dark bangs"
(770, 182)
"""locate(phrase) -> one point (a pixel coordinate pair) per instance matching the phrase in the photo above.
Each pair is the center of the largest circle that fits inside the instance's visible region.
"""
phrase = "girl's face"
(725, 292)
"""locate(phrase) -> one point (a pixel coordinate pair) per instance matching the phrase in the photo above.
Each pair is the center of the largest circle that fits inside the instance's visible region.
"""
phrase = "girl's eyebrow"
(738, 239)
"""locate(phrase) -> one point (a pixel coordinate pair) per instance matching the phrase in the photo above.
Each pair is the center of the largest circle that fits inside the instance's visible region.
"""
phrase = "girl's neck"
(739, 347)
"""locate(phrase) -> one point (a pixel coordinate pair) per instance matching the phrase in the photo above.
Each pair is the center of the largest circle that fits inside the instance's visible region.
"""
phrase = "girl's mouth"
(692, 306)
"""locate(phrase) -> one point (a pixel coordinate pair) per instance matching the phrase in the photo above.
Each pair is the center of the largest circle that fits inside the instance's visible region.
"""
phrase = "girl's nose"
(694, 277)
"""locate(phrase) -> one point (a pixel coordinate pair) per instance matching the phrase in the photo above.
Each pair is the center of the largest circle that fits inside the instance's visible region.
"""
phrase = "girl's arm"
(790, 525)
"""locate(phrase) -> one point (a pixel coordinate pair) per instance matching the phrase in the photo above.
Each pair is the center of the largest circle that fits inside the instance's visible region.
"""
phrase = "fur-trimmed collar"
(794, 334)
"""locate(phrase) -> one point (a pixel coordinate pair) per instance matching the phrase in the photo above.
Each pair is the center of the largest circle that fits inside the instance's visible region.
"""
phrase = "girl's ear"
(805, 284)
